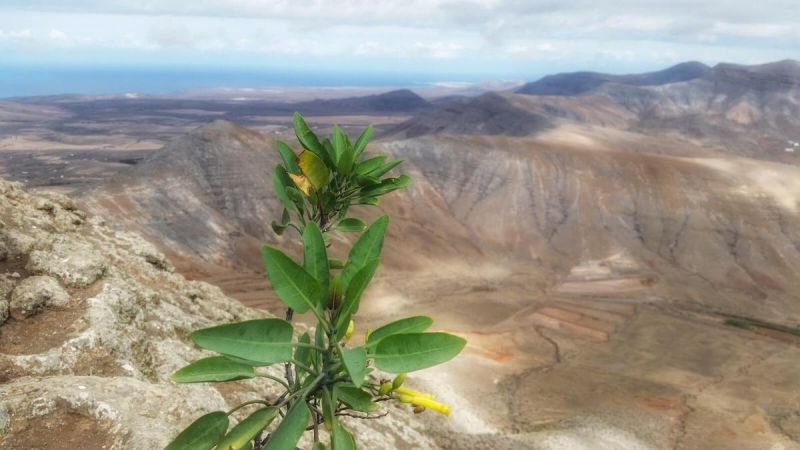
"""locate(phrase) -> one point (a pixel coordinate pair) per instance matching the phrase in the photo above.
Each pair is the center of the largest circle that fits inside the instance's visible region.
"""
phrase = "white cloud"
(504, 34)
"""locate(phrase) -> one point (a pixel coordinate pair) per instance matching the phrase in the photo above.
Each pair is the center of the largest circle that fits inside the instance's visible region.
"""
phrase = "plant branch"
(275, 379)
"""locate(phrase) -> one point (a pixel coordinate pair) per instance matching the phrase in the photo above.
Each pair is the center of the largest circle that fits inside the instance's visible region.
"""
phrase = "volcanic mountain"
(618, 233)
(577, 83)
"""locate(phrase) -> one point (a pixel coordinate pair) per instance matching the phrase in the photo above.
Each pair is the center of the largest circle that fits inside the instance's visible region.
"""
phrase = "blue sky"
(412, 39)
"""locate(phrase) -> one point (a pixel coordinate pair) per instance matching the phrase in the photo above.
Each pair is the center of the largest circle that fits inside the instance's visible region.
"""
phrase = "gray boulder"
(34, 294)
(76, 262)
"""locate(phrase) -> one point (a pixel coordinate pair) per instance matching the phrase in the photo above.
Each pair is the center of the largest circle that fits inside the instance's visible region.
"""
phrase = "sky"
(374, 42)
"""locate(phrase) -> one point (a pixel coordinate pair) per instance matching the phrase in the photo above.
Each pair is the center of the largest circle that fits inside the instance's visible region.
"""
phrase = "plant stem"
(275, 379)
(304, 367)
(251, 402)
(305, 345)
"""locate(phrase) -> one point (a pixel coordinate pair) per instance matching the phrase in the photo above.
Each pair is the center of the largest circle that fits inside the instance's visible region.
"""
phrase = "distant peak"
(576, 83)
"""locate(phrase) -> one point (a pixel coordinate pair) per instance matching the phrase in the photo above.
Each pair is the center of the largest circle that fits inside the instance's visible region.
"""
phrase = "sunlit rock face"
(87, 353)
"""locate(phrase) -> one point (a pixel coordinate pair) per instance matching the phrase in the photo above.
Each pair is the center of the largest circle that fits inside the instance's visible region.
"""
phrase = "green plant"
(323, 378)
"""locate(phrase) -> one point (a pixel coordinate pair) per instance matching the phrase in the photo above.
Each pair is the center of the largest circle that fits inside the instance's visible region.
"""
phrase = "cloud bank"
(489, 38)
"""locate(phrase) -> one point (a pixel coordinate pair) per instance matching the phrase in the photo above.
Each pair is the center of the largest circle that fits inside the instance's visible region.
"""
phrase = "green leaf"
(336, 264)
(416, 351)
(377, 173)
(265, 341)
(355, 363)
(247, 429)
(315, 256)
(387, 185)
(319, 341)
(293, 285)
(356, 398)
(318, 446)
(330, 154)
(302, 354)
(288, 157)
(351, 224)
(329, 404)
(290, 429)
(281, 182)
(296, 196)
(366, 181)
(344, 152)
(339, 144)
(202, 434)
(366, 249)
(416, 324)
(342, 439)
(215, 368)
(352, 297)
(314, 169)
(368, 165)
(367, 201)
(307, 138)
(363, 140)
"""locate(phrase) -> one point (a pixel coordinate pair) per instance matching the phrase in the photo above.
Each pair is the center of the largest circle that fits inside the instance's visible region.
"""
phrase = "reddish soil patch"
(98, 363)
(15, 264)
(48, 329)
(661, 403)
(41, 332)
(57, 431)
(779, 335)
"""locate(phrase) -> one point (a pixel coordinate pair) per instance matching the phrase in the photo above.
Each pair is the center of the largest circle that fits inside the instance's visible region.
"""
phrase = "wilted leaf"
(302, 183)
(314, 169)
(281, 182)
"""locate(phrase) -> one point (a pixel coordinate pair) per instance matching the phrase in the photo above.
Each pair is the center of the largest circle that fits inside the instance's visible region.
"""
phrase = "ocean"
(32, 80)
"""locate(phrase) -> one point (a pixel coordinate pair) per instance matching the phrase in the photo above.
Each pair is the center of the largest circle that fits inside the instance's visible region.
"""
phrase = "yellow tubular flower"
(349, 333)
(413, 393)
(431, 404)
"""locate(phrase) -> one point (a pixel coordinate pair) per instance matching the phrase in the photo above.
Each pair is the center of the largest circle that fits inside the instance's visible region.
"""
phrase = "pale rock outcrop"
(101, 361)
(76, 263)
(35, 293)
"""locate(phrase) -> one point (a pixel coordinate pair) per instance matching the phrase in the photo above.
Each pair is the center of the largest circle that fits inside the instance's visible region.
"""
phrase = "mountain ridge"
(576, 83)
